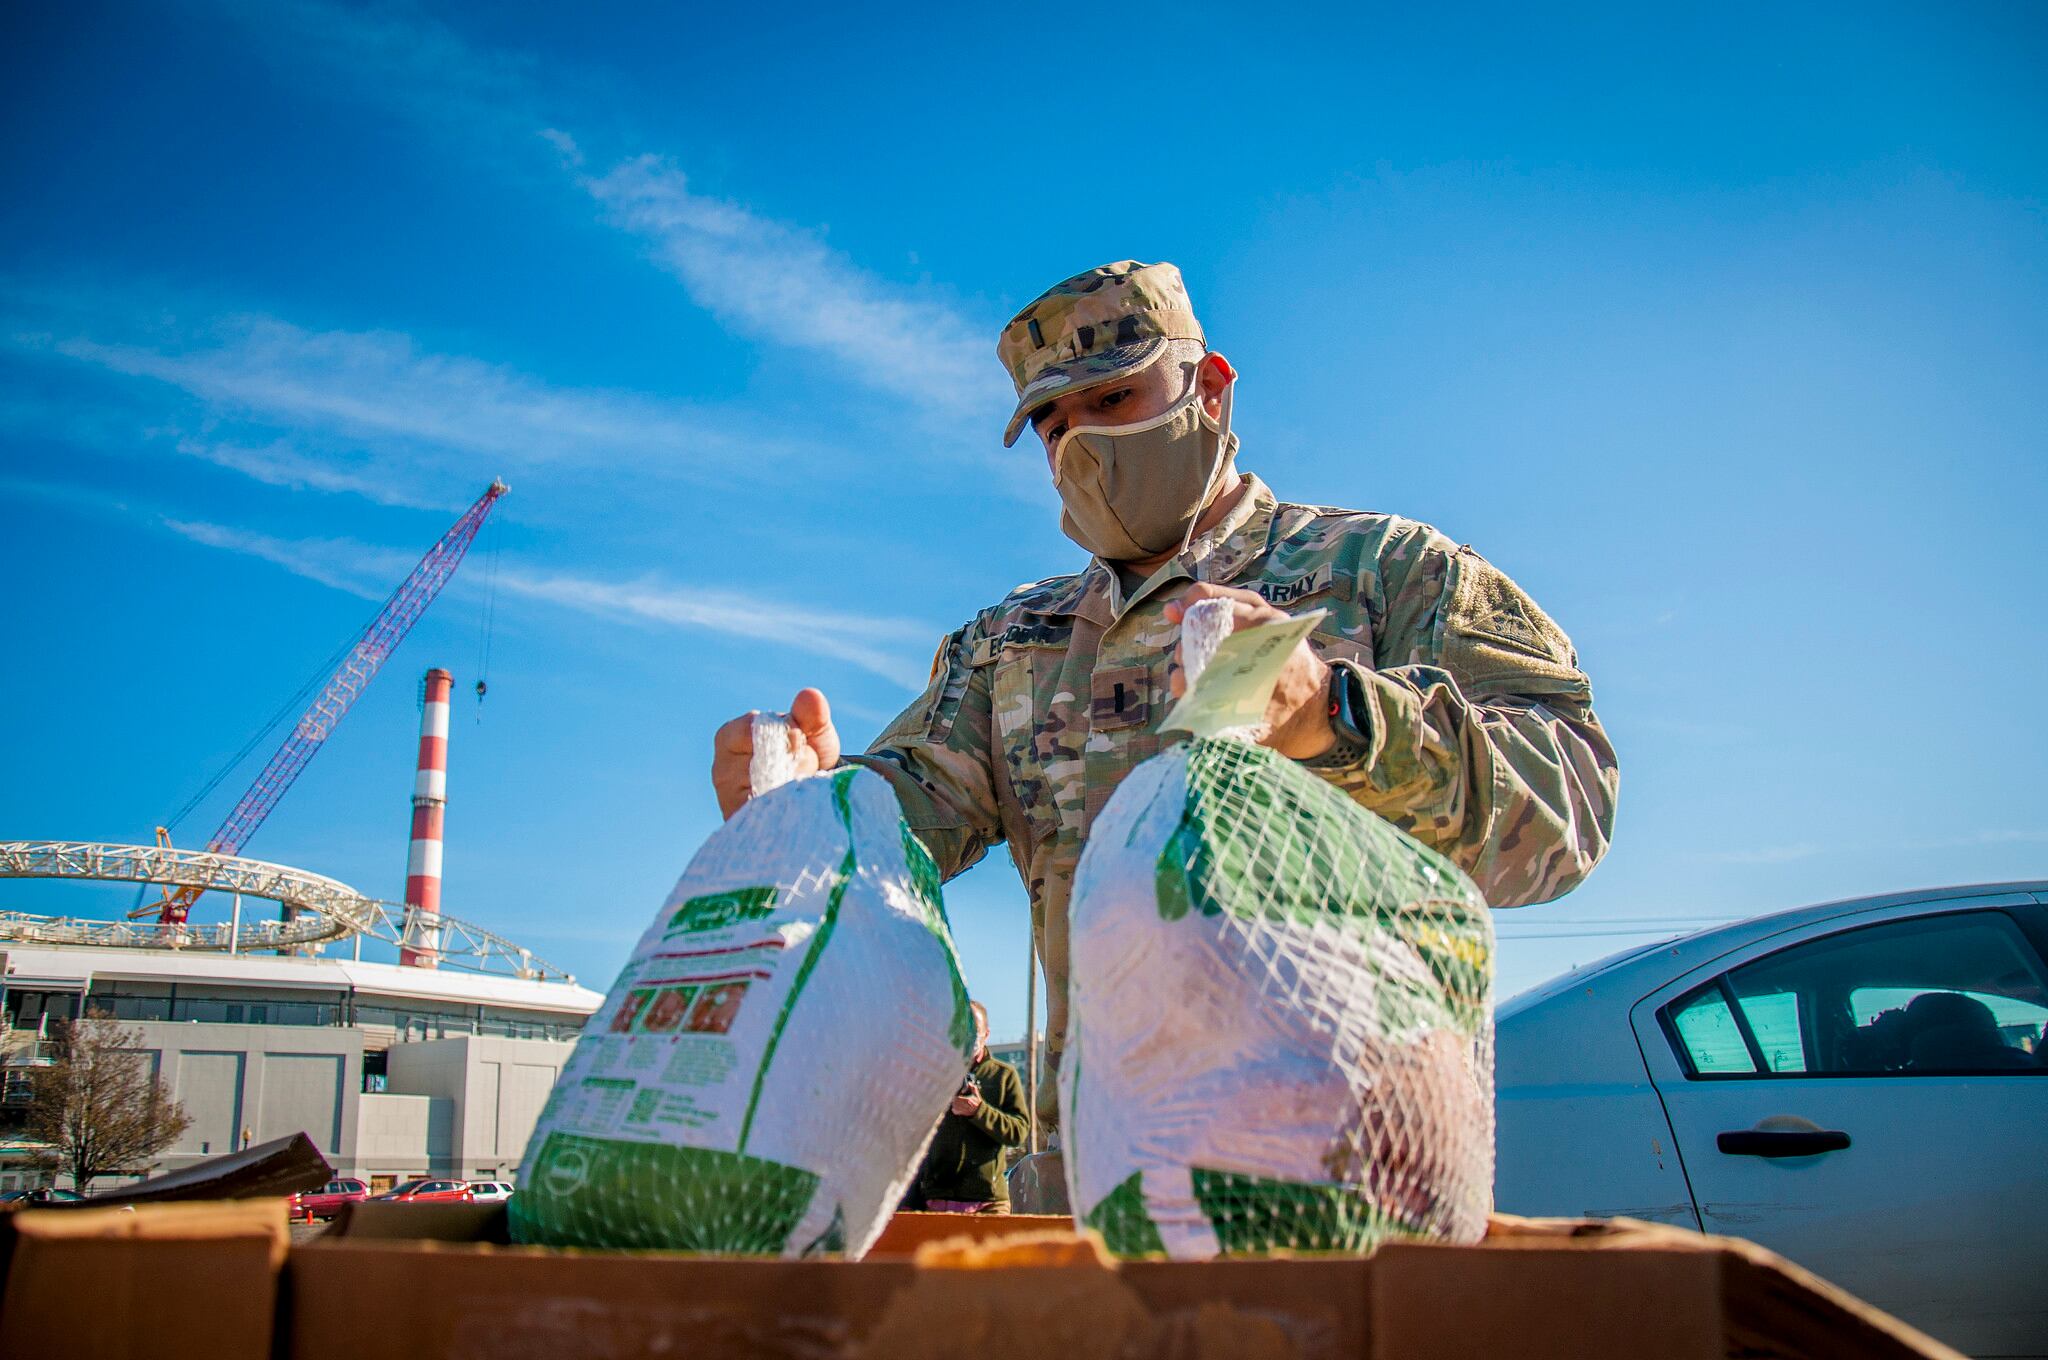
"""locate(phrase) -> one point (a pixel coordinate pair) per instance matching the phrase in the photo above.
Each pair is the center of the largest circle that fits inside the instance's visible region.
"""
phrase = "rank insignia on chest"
(1120, 698)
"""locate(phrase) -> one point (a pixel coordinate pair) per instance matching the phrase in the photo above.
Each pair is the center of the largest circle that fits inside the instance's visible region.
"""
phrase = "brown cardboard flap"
(904, 1233)
(170, 1280)
(1534, 1289)
(1080, 1310)
(1769, 1302)
(1556, 1301)
(438, 1301)
(1764, 1304)
(1314, 1308)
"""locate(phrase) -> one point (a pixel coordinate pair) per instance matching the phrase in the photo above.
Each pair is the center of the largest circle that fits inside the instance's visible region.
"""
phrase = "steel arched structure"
(321, 909)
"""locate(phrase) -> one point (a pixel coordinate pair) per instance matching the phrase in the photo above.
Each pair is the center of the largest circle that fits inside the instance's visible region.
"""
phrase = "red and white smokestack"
(421, 946)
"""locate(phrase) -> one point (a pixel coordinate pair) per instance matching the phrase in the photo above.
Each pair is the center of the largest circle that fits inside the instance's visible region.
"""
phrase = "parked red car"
(411, 1191)
(326, 1202)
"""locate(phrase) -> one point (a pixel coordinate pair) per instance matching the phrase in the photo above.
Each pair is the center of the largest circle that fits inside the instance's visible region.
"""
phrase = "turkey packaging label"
(1280, 1027)
(766, 1072)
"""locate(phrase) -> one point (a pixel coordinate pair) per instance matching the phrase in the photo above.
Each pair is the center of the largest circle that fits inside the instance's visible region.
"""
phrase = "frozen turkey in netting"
(765, 1073)
(1280, 1024)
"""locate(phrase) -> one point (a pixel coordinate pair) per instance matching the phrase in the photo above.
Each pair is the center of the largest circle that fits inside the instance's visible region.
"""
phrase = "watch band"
(1348, 720)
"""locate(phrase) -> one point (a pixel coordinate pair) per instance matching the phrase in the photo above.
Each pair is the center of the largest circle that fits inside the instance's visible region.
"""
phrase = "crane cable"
(488, 633)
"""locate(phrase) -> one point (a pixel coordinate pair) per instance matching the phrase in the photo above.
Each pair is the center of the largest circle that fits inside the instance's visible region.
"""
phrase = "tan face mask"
(1136, 491)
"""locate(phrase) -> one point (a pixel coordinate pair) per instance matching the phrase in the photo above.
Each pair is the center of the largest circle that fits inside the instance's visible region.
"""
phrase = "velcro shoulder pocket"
(1496, 638)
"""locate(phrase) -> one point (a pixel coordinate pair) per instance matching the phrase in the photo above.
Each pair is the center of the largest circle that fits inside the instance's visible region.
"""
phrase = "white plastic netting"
(765, 1073)
(1280, 1031)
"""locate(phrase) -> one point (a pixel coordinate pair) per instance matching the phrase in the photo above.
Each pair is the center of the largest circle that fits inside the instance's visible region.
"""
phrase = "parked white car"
(1860, 1086)
(491, 1190)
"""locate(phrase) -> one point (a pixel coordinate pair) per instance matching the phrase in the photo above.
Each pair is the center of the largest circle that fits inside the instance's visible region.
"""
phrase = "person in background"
(963, 1171)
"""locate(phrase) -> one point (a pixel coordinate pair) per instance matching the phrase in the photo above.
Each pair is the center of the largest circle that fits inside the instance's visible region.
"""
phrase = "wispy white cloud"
(407, 61)
(781, 283)
(765, 279)
(87, 500)
(340, 563)
(882, 646)
(381, 386)
(370, 413)
(281, 463)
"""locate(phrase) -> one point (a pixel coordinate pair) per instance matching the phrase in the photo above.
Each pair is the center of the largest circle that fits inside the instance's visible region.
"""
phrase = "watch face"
(1348, 701)
(1346, 711)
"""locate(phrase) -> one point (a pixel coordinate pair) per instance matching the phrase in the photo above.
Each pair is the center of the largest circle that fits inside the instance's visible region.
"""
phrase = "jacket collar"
(1223, 554)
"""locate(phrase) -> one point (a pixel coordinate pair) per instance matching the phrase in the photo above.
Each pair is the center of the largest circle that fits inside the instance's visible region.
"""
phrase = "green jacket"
(966, 1157)
(1483, 745)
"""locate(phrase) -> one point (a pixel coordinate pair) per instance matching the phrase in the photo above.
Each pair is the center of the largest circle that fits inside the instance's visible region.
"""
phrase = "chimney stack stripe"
(422, 934)
(424, 862)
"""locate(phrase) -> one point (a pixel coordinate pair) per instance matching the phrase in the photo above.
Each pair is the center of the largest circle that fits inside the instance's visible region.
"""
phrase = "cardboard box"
(168, 1280)
(905, 1233)
(943, 1285)
(408, 1282)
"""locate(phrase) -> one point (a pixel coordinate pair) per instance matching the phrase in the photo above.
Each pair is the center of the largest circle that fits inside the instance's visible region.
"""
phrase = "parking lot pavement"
(305, 1232)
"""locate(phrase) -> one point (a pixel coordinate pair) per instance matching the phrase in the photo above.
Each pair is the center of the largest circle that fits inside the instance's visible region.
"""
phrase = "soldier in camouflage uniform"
(1435, 692)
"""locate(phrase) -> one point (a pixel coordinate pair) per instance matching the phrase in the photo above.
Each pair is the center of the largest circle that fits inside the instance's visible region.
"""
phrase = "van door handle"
(1781, 1142)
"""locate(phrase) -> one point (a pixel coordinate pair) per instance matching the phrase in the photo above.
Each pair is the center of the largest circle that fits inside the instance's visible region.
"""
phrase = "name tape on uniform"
(1234, 690)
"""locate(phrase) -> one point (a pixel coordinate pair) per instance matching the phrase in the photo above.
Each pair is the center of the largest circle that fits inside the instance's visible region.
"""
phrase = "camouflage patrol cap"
(1096, 326)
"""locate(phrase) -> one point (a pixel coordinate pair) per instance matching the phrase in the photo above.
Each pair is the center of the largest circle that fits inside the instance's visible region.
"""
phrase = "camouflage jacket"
(1483, 741)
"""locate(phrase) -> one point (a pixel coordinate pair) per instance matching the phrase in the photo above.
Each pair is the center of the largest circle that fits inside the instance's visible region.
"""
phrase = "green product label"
(1120, 1217)
(714, 911)
(1253, 1214)
(816, 949)
(592, 1192)
(1262, 837)
(924, 882)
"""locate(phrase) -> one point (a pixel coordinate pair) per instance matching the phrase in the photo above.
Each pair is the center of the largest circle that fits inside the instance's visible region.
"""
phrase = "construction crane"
(357, 669)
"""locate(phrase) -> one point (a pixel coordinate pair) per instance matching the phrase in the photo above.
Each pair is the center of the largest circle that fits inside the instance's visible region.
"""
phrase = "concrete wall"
(497, 1086)
(460, 1107)
(404, 1136)
(265, 1081)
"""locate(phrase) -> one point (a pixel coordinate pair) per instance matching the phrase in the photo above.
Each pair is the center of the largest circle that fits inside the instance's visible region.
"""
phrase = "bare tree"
(100, 1106)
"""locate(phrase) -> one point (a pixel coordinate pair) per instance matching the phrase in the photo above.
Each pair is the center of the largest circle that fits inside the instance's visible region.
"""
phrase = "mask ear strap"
(1222, 451)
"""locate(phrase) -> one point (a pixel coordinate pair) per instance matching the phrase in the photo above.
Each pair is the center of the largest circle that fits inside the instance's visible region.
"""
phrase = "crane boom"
(401, 610)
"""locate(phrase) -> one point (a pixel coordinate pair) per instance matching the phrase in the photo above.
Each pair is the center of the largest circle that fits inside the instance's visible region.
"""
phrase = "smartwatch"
(1348, 720)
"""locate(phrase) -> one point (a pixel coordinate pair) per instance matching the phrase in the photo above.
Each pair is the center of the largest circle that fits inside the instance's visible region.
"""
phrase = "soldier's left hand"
(966, 1104)
(1298, 714)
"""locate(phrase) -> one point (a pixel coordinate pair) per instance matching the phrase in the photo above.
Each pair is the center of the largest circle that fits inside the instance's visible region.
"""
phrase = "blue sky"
(1722, 330)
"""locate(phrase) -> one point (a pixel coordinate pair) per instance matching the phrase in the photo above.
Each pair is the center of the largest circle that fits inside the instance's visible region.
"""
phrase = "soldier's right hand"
(814, 741)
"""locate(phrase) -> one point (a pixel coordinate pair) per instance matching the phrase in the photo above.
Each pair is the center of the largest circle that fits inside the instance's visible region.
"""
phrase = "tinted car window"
(1708, 1034)
(1962, 992)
